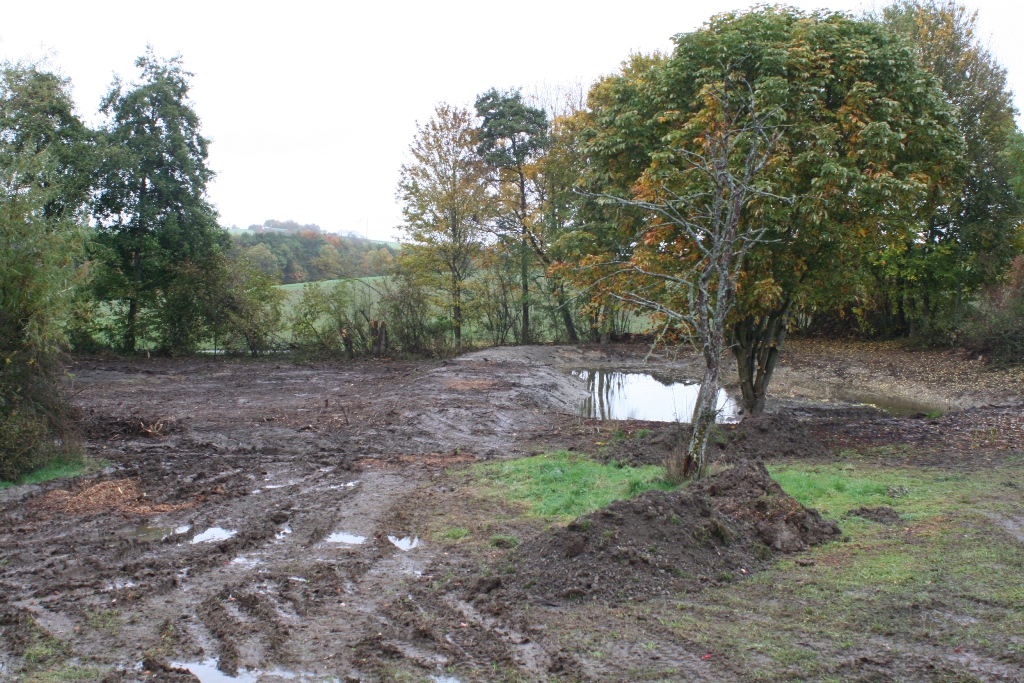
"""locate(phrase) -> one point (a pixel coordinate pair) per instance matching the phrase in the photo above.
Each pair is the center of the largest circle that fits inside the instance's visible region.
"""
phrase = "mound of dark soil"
(770, 436)
(882, 515)
(755, 438)
(727, 525)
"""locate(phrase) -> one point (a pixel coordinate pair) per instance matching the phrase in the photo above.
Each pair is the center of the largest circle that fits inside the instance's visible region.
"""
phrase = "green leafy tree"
(445, 203)
(967, 241)
(251, 315)
(264, 259)
(42, 145)
(155, 225)
(37, 115)
(328, 262)
(512, 137)
(867, 147)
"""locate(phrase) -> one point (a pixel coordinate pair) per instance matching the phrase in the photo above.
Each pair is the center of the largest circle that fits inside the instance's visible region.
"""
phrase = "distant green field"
(297, 286)
(293, 292)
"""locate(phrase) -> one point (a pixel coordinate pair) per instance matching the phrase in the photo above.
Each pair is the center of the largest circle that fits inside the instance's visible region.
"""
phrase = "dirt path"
(119, 576)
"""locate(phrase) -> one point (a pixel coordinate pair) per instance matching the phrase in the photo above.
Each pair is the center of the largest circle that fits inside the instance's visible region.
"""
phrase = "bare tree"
(688, 257)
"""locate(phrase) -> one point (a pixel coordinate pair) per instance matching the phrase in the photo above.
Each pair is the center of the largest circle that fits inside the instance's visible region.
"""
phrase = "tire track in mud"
(265, 452)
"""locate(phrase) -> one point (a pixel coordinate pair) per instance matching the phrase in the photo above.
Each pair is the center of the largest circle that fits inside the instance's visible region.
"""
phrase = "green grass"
(297, 286)
(64, 673)
(947, 580)
(60, 468)
(836, 489)
(564, 484)
(454, 533)
(504, 541)
(951, 581)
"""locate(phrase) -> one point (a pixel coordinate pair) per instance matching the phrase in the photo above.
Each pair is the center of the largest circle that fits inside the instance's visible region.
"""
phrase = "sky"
(311, 106)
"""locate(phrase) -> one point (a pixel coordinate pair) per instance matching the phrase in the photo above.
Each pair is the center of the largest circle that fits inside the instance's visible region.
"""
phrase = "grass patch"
(564, 484)
(65, 673)
(836, 489)
(454, 533)
(950, 579)
(504, 541)
(60, 468)
(946, 581)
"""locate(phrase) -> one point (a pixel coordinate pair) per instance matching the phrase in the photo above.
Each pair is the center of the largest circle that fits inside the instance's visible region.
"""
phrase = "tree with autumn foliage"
(867, 146)
(444, 197)
(969, 238)
(706, 198)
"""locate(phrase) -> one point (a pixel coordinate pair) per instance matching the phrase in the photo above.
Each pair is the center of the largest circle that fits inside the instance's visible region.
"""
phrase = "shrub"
(37, 259)
(996, 329)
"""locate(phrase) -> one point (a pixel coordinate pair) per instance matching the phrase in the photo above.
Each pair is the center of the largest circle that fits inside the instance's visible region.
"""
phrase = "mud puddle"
(207, 672)
(405, 543)
(895, 406)
(617, 395)
(346, 538)
(149, 532)
(214, 534)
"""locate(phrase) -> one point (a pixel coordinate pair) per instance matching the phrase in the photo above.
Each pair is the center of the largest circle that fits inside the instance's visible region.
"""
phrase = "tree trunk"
(525, 281)
(692, 461)
(570, 326)
(757, 343)
(457, 317)
(346, 340)
(131, 331)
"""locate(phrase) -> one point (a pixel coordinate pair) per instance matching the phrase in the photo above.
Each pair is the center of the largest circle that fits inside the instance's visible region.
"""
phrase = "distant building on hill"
(285, 227)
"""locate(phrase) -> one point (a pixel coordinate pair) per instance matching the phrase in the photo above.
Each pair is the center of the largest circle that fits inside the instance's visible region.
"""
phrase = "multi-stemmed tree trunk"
(756, 343)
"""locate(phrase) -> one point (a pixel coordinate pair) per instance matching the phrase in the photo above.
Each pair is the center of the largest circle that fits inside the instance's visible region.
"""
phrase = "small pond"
(616, 395)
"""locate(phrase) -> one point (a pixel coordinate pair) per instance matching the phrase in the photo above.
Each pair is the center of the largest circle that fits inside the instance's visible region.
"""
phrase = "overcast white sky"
(312, 105)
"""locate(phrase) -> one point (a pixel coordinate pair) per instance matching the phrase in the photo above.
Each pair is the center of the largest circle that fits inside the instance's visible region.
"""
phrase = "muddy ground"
(317, 477)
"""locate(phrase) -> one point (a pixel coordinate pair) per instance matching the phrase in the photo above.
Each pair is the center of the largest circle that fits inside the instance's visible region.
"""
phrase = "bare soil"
(663, 543)
(109, 576)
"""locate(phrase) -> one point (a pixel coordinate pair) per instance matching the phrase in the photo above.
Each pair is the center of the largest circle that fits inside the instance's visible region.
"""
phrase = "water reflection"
(213, 534)
(641, 396)
(207, 672)
(407, 543)
(342, 537)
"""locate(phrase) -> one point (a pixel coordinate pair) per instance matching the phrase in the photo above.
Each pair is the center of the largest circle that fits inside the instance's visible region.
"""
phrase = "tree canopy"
(967, 240)
(151, 207)
(445, 203)
(868, 146)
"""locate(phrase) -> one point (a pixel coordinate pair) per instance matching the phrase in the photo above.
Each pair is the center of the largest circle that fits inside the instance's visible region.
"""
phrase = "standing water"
(618, 395)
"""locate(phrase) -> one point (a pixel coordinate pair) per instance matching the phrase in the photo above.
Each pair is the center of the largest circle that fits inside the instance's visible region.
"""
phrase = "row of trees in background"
(308, 256)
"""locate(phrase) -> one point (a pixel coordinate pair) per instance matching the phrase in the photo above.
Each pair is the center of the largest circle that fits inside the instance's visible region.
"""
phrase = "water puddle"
(342, 537)
(214, 534)
(207, 672)
(618, 395)
(407, 543)
(246, 562)
(894, 405)
(148, 532)
(346, 485)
